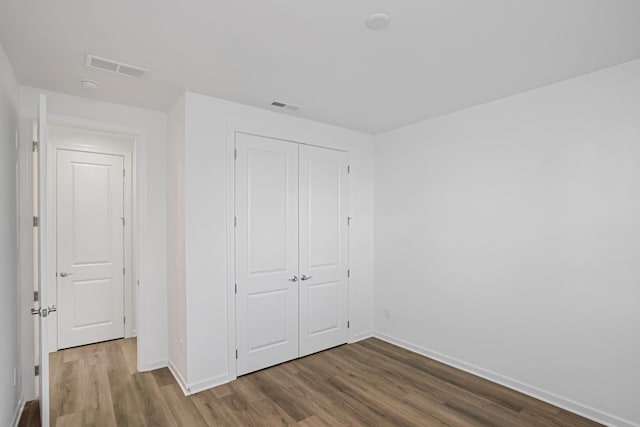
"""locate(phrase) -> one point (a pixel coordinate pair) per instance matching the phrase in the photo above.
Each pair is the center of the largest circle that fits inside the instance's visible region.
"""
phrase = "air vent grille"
(285, 105)
(115, 67)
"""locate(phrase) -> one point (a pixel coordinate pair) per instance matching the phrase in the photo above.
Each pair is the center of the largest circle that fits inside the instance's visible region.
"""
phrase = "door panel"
(266, 251)
(323, 248)
(90, 239)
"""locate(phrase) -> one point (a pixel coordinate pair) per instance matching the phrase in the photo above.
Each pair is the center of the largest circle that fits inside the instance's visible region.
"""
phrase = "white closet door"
(323, 249)
(266, 252)
(90, 207)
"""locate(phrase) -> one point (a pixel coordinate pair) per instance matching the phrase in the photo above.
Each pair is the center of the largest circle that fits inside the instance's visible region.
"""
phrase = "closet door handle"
(305, 277)
(294, 279)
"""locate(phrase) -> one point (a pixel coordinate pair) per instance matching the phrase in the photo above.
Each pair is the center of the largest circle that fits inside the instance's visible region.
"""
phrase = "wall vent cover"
(115, 67)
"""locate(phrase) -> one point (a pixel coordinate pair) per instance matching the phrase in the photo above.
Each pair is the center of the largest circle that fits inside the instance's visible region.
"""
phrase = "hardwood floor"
(370, 383)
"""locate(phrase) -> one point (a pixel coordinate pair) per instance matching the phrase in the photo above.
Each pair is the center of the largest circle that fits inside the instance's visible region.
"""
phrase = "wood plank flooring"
(370, 383)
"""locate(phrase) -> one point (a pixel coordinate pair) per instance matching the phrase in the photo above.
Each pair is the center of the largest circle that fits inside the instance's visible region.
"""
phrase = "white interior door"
(323, 249)
(266, 252)
(90, 247)
(39, 265)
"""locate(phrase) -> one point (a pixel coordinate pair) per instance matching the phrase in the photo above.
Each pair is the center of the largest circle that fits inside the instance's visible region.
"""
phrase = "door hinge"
(123, 173)
(349, 220)
(123, 271)
(348, 324)
(36, 370)
(235, 153)
(123, 221)
(236, 288)
(235, 221)
(348, 169)
(124, 320)
(36, 296)
(34, 146)
(36, 221)
(348, 273)
(236, 353)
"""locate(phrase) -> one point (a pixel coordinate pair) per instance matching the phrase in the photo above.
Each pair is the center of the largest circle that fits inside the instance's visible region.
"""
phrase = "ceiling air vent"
(115, 67)
(284, 105)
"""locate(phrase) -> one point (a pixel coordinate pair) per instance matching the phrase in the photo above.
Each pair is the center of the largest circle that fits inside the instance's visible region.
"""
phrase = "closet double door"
(291, 238)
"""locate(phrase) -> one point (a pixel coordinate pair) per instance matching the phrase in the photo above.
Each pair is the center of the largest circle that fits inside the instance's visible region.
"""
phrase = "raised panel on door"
(266, 251)
(90, 247)
(323, 249)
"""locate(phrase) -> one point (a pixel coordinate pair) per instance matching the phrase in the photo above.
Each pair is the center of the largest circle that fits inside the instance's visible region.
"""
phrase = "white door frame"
(267, 132)
(127, 147)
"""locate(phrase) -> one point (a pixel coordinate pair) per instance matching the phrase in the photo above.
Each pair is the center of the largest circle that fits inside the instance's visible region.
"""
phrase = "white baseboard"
(155, 364)
(361, 336)
(559, 401)
(198, 386)
(17, 413)
(178, 376)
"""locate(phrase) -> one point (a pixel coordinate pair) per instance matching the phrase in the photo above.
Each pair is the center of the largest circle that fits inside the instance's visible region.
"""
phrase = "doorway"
(90, 240)
(291, 250)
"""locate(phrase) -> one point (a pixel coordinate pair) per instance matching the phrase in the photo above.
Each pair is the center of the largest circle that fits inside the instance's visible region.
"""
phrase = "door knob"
(293, 279)
(43, 312)
(304, 277)
(65, 274)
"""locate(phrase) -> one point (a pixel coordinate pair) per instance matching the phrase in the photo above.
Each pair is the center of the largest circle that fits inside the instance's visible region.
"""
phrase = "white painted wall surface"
(208, 122)
(508, 241)
(10, 393)
(151, 164)
(176, 272)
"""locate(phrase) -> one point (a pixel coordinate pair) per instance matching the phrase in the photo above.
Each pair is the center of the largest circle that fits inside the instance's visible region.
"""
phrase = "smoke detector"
(89, 84)
(116, 67)
(378, 21)
(286, 105)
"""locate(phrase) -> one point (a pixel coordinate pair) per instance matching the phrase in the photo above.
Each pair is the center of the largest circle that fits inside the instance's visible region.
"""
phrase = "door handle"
(43, 312)
(293, 279)
(65, 274)
(304, 277)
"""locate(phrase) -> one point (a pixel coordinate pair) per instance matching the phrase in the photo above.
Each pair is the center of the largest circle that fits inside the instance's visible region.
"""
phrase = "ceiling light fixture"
(89, 84)
(378, 21)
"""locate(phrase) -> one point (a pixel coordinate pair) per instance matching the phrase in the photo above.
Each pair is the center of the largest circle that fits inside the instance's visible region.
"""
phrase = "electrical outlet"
(387, 313)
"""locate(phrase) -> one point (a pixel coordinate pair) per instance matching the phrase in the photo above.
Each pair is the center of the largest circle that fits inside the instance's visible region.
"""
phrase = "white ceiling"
(437, 56)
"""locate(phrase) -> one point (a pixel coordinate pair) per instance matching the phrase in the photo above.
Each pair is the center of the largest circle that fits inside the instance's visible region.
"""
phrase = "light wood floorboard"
(370, 383)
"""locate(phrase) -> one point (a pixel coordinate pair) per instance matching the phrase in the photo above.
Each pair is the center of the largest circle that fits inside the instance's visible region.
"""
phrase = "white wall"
(176, 268)
(508, 241)
(150, 127)
(209, 122)
(10, 393)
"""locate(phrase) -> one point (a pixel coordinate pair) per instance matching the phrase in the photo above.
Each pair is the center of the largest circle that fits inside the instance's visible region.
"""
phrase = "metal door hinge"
(34, 146)
(36, 370)
(349, 220)
(123, 271)
(236, 353)
(235, 221)
(236, 288)
(36, 296)
(348, 169)
(36, 221)
(123, 221)
(124, 320)
(348, 273)
(235, 154)
(348, 324)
